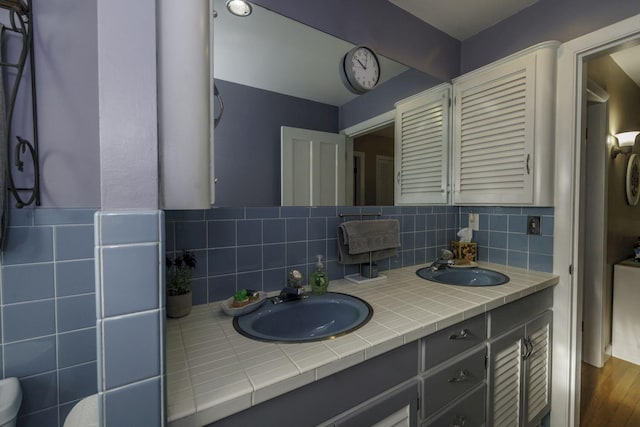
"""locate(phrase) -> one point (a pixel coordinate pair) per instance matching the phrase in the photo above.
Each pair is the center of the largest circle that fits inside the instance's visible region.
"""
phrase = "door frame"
(361, 177)
(568, 254)
(380, 157)
(362, 128)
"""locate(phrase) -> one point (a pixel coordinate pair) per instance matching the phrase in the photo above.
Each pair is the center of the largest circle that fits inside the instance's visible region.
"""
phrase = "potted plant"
(179, 283)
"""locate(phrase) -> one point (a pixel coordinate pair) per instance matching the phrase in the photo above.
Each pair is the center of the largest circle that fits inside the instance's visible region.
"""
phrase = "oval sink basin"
(464, 276)
(315, 318)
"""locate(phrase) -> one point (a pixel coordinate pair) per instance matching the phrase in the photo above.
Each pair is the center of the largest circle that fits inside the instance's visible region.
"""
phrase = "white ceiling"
(462, 19)
(275, 53)
(629, 61)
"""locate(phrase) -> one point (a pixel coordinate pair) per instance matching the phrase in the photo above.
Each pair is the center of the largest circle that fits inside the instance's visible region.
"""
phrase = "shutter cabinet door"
(538, 370)
(493, 135)
(422, 147)
(505, 380)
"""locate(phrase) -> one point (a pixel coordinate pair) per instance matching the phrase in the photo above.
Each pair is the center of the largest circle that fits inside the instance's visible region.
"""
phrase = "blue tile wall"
(130, 312)
(255, 247)
(48, 337)
(502, 236)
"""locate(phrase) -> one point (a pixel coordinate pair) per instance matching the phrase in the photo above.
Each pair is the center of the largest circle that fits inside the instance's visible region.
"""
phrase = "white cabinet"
(626, 317)
(503, 130)
(422, 147)
(520, 374)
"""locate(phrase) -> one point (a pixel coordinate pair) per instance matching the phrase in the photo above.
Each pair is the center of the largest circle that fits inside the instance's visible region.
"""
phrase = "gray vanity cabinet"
(454, 380)
(519, 376)
(396, 408)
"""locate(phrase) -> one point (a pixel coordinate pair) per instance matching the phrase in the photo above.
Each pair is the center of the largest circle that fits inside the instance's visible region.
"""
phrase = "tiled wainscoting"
(48, 311)
(129, 252)
(502, 236)
(255, 247)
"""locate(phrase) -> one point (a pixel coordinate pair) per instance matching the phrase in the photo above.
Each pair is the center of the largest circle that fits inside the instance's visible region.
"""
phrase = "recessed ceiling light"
(239, 7)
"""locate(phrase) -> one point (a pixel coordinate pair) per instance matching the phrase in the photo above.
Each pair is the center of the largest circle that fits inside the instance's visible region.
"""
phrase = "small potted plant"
(179, 283)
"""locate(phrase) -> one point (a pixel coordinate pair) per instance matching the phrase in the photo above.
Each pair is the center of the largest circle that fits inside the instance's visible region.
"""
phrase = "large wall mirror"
(271, 72)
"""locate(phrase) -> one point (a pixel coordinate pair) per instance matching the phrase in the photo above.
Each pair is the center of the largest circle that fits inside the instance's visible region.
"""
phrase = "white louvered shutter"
(538, 366)
(493, 136)
(422, 146)
(506, 381)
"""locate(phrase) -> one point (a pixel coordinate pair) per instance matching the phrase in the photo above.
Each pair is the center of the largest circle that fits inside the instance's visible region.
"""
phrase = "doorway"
(570, 230)
(375, 159)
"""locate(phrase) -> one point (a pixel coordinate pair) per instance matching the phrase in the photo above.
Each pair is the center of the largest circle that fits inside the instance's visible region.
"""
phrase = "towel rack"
(21, 23)
(342, 215)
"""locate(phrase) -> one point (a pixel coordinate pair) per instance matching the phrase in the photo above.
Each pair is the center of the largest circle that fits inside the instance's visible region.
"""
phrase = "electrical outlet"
(474, 221)
(533, 225)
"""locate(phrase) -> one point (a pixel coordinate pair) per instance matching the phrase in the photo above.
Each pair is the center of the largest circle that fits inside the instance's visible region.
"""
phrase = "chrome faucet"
(293, 291)
(445, 261)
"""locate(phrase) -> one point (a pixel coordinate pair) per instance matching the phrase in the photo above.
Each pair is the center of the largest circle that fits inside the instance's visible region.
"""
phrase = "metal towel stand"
(361, 215)
(21, 23)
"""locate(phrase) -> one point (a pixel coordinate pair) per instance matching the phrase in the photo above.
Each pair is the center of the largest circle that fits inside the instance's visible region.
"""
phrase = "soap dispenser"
(319, 278)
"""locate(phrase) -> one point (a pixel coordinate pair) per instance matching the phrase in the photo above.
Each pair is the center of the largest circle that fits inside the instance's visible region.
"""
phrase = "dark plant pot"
(178, 305)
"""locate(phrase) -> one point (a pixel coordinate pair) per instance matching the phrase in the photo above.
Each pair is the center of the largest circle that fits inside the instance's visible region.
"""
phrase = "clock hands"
(360, 62)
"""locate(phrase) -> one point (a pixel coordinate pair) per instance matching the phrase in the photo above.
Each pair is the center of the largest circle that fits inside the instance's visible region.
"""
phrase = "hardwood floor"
(610, 396)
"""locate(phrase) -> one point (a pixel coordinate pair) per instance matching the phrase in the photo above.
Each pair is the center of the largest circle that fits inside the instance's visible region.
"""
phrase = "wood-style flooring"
(610, 396)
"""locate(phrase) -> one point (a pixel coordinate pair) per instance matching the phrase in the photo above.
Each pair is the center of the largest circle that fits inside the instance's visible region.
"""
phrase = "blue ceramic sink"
(464, 276)
(315, 318)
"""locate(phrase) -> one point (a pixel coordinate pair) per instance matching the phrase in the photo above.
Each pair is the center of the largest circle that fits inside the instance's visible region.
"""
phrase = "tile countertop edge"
(526, 282)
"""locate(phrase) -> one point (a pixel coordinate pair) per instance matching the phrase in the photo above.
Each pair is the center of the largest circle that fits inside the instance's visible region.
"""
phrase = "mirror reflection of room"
(272, 72)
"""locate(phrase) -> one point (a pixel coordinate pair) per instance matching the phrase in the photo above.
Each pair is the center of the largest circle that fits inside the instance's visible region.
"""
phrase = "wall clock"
(360, 69)
(633, 180)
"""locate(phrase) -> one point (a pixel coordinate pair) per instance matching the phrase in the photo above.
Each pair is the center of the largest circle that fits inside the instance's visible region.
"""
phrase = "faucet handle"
(295, 279)
(446, 254)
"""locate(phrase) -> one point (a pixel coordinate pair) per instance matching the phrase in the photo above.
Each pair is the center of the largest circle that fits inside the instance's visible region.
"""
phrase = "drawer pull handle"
(461, 335)
(462, 376)
(458, 421)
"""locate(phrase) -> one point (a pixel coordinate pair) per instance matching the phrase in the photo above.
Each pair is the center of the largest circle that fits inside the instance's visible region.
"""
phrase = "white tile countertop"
(213, 372)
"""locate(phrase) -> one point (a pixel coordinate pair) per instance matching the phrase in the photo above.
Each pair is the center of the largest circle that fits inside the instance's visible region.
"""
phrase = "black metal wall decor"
(21, 24)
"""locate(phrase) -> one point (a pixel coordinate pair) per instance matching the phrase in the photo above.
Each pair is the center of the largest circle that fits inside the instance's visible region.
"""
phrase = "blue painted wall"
(254, 248)
(247, 141)
(546, 20)
(48, 311)
(383, 98)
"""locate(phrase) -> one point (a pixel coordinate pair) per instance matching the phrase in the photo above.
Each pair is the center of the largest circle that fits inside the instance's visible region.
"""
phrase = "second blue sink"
(464, 276)
(318, 317)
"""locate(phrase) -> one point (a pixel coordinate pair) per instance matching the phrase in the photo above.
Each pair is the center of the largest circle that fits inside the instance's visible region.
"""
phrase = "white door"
(312, 168)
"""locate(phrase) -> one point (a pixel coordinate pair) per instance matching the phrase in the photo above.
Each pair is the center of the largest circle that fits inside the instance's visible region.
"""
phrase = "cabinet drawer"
(469, 411)
(452, 381)
(453, 340)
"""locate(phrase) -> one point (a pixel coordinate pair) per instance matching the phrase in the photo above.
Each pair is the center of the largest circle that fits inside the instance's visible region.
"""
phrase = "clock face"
(361, 69)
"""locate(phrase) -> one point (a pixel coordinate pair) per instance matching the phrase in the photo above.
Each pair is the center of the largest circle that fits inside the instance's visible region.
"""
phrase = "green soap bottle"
(319, 278)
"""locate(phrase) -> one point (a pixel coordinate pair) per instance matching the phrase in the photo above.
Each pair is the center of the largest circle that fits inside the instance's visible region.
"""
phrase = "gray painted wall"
(67, 89)
(247, 141)
(546, 20)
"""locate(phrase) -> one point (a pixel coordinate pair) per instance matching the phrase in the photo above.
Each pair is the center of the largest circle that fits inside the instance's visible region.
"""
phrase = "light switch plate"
(533, 225)
(474, 221)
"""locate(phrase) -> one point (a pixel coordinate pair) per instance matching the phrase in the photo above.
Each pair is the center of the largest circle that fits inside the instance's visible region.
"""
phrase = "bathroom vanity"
(431, 355)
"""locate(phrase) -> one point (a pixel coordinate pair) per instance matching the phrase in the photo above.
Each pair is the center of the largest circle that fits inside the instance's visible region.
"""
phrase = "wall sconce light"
(239, 7)
(624, 144)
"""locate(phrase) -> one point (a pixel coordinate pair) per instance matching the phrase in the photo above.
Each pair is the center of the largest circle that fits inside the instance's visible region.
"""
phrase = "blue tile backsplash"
(255, 247)
(48, 311)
